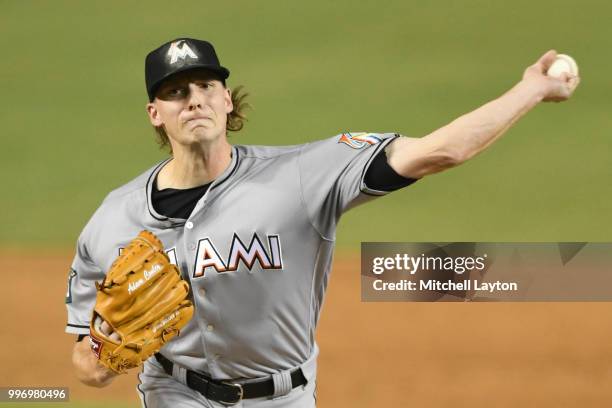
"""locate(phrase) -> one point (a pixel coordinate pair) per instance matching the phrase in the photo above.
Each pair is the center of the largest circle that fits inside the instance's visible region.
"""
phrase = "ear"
(154, 116)
(229, 106)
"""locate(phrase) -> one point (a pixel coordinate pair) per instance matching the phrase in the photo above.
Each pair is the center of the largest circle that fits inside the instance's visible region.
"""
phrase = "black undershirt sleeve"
(380, 176)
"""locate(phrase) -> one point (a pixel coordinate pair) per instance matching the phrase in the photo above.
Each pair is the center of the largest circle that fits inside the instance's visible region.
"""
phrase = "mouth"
(197, 118)
(200, 121)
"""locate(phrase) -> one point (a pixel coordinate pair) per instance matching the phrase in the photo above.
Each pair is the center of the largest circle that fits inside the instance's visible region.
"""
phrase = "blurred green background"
(74, 124)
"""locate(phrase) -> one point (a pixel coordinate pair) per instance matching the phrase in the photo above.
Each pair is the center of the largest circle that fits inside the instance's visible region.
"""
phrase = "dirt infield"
(372, 354)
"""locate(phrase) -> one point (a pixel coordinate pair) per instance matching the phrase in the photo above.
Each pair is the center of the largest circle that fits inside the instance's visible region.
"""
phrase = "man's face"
(192, 106)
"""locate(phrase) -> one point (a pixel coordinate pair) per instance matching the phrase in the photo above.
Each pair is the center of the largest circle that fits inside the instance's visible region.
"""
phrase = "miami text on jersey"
(207, 255)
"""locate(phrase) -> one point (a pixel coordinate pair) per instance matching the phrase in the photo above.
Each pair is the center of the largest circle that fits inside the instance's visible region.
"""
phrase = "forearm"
(86, 366)
(464, 137)
(471, 133)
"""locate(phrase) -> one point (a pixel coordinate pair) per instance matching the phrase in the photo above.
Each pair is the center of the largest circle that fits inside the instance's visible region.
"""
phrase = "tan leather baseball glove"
(141, 304)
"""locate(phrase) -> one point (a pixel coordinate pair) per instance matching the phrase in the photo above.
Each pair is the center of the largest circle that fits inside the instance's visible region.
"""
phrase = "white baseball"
(563, 63)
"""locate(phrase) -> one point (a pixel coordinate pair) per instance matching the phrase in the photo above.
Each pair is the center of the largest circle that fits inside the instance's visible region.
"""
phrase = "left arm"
(473, 132)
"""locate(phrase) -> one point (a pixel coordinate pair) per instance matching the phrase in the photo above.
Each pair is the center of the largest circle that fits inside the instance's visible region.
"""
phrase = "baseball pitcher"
(207, 272)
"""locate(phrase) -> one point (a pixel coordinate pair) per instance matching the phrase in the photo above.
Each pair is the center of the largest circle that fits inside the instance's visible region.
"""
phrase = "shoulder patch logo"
(359, 140)
(180, 50)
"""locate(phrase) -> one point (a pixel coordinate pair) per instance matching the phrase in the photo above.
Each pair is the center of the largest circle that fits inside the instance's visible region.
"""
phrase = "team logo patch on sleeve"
(359, 140)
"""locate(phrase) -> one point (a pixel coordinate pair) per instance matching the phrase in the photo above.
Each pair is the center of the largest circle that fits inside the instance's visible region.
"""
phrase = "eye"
(175, 91)
(205, 84)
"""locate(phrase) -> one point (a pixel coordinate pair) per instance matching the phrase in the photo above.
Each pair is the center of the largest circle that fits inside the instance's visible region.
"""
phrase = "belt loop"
(180, 373)
(282, 383)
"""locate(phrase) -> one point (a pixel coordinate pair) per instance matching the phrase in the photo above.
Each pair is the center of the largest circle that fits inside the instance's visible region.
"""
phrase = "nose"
(196, 97)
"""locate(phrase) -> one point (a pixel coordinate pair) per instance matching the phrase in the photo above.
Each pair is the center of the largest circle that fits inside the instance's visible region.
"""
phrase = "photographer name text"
(444, 286)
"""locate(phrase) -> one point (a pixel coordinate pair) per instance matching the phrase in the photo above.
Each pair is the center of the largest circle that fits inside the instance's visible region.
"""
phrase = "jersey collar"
(160, 221)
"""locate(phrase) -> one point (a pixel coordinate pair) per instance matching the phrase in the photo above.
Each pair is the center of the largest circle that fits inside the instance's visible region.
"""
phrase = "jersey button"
(202, 291)
(189, 225)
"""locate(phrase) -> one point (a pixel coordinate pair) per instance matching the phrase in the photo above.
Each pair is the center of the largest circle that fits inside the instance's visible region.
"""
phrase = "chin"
(206, 135)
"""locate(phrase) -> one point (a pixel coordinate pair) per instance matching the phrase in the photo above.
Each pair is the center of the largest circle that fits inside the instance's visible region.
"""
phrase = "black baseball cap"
(177, 56)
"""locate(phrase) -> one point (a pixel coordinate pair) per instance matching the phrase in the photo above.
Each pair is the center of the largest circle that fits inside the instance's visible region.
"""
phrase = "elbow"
(425, 165)
(417, 158)
(443, 160)
(451, 158)
(453, 154)
(447, 151)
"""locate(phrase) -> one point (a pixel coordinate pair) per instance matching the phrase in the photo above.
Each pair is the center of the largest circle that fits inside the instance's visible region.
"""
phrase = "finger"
(546, 60)
(556, 99)
(573, 82)
(105, 328)
(564, 77)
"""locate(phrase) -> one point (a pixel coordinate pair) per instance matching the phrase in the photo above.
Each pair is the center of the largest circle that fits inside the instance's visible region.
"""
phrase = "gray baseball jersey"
(256, 250)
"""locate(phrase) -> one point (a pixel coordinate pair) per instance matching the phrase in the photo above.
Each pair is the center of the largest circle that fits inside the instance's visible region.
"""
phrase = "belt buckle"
(240, 393)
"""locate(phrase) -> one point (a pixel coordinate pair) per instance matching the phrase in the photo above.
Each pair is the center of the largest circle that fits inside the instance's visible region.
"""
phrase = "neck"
(195, 165)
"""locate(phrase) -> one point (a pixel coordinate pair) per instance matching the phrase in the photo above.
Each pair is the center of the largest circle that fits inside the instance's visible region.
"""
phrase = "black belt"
(227, 391)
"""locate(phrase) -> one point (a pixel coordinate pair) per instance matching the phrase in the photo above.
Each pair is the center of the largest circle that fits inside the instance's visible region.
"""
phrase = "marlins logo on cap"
(180, 50)
(178, 55)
